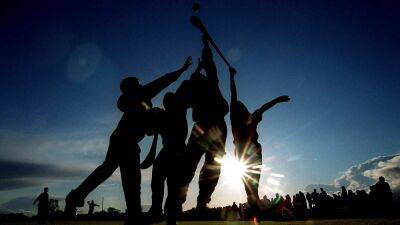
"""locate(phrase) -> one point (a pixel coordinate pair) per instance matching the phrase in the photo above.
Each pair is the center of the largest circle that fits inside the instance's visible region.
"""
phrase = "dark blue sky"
(61, 63)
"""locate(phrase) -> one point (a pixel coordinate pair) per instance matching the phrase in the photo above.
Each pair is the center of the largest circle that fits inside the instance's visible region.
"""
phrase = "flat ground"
(308, 222)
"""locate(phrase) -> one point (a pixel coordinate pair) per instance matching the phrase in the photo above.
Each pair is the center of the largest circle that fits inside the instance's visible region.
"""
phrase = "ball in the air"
(196, 7)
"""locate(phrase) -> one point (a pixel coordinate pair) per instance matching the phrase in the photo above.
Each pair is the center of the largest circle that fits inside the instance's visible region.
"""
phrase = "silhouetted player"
(172, 125)
(245, 137)
(91, 207)
(123, 150)
(208, 134)
(43, 205)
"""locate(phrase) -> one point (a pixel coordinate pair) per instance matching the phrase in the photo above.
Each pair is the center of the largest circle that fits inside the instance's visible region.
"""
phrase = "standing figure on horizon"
(208, 135)
(92, 205)
(123, 150)
(43, 205)
(245, 137)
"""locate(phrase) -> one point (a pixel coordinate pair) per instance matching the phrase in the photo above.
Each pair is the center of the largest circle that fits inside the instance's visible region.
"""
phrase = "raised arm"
(153, 88)
(268, 105)
(208, 62)
(184, 94)
(232, 73)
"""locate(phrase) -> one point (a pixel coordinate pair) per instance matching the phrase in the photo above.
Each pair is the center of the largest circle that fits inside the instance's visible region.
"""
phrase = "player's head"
(381, 179)
(197, 76)
(46, 189)
(130, 85)
(169, 100)
(154, 119)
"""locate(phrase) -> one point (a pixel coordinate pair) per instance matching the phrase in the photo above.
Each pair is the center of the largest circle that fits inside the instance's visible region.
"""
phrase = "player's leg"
(209, 174)
(159, 176)
(131, 181)
(251, 183)
(172, 206)
(194, 152)
(76, 197)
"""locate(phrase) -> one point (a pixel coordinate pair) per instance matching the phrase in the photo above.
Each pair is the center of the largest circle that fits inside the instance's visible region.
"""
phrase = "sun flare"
(233, 171)
(233, 168)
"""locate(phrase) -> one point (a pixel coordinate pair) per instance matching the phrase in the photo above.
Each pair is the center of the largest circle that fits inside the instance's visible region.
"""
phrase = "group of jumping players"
(177, 161)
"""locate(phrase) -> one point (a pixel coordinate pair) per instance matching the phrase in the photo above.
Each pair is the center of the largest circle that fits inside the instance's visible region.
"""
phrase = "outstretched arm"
(208, 62)
(153, 88)
(232, 73)
(268, 105)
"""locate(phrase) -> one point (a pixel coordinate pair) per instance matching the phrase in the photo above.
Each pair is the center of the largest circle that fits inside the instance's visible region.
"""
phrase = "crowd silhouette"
(378, 202)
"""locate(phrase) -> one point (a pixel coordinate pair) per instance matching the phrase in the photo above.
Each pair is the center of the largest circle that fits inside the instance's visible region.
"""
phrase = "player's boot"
(202, 204)
(154, 216)
(138, 220)
(171, 222)
(71, 202)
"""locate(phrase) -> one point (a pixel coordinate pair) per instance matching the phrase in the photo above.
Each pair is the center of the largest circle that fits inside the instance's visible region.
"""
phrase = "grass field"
(308, 222)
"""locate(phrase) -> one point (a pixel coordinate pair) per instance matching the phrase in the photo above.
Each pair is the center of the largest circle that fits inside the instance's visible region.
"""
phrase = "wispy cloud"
(293, 158)
(269, 158)
(72, 146)
(14, 174)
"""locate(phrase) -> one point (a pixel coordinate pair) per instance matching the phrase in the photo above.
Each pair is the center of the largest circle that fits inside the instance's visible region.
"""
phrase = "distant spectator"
(43, 205)
(309, 200)
(92, 205)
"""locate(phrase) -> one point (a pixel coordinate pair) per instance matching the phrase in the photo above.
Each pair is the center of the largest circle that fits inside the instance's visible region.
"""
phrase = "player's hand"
(199, 65)
(283, 98)
(204, 39)
(187, 64)
(232, 71)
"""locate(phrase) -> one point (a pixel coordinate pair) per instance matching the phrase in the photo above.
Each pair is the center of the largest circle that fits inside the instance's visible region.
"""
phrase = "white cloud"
(365, 174)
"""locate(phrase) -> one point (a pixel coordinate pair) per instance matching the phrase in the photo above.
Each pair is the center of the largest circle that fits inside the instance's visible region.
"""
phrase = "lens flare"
(232, 167)
(234, 171)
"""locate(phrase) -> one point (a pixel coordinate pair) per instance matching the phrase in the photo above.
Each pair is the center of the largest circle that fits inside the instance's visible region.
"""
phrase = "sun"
(233, 171)
(233, 168)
